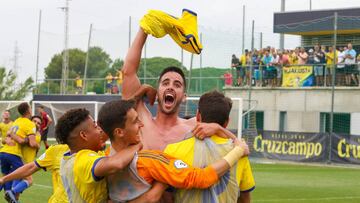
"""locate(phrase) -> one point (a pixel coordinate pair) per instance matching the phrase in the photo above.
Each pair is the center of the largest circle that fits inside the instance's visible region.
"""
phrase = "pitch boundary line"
(307, 199)
(43, 186)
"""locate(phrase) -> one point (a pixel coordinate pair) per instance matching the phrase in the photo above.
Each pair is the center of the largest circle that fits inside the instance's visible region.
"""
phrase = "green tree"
(9, 90)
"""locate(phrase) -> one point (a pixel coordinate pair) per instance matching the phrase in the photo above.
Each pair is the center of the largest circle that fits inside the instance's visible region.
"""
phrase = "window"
(256, 120)
(283, 121)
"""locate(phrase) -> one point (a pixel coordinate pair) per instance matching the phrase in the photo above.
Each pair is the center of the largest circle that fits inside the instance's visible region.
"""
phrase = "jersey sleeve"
(45, 161)
(30, 129)
(247, 182)
(86, 163)
(175, 172)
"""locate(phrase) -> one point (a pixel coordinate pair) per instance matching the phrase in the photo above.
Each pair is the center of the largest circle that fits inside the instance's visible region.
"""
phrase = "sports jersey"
(182, 30)
(185, 150)
(4, 127)
(79, 180)
(50, 160)
(22, 127)
(153, 165)
(29, 153)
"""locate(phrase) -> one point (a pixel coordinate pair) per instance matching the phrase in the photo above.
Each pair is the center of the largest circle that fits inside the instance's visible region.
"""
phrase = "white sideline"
(307, 199)
(43, 186)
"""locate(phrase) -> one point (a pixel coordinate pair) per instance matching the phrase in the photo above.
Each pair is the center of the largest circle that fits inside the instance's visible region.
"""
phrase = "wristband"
(234, 155)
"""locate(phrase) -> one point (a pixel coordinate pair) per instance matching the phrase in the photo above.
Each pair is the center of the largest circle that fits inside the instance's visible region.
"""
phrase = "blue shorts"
(318, 70)
(9, 163)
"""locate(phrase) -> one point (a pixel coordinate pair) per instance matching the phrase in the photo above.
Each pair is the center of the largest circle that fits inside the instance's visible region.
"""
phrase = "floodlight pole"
(333, 86)
(282, 39)
(87, 60)
(243, 32)
(251, 63)
(37, 54)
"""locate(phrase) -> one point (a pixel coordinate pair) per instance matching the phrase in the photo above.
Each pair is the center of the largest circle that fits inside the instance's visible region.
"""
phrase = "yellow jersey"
(185, 149)
(22, 127)
(330, 57)
(119, 78)
(77, 175)
(4, 127)
(78, 83)
(50, 160)
(243, 60)
(29, 153)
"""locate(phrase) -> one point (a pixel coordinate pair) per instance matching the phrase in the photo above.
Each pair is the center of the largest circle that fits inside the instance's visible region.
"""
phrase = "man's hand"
(9, 141)
(151, 94)
(203, 130)
(241, 143)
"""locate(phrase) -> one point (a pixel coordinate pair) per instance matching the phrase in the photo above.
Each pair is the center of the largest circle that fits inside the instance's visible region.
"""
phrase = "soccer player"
(11, 153)
(84, 167)
(49, 161)
(196, 152)
(121, 123)
(46, 122)
(5, 125)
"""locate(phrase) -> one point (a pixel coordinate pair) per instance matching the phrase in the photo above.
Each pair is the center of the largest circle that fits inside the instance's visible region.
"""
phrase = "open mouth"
(169, 99)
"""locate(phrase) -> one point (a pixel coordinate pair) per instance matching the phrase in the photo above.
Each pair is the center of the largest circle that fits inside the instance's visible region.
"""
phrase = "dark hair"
(68, 122)
(176, 70)
(113, 115)
(41, 106)
(214, 107)
(23, 108)
(36, 116)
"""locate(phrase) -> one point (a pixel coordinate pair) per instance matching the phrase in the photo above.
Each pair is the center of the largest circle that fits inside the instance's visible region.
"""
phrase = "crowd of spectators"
(264, 67)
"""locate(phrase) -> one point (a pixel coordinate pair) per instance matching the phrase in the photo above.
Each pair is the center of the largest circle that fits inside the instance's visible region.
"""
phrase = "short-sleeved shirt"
(80, 182)
(4, 127)
(78, 83)
(22, 127)
(184, 150)
(50, 161)
(45, 120)
(29, 153)
(352, 53)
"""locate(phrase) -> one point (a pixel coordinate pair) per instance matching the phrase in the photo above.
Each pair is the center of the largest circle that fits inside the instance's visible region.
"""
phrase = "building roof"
(317, 22)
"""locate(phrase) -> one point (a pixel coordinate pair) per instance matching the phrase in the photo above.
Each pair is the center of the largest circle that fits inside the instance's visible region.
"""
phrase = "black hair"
(68, 122)
(23, 108)
(176, 70)
(113, 115)
(36, 116)
(214, 107)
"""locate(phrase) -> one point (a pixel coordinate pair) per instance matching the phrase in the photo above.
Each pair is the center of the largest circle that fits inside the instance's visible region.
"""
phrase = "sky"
(219, 21)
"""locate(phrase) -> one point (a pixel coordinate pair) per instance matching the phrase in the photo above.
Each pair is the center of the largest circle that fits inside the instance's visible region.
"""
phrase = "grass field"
(274, 183)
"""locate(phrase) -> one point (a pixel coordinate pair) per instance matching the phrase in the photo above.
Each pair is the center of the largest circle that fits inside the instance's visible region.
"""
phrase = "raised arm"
(20, 173)
(131, 81)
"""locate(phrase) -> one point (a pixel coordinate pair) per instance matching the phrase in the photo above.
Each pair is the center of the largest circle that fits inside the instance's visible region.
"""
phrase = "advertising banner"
(297, 76)
(345, 149)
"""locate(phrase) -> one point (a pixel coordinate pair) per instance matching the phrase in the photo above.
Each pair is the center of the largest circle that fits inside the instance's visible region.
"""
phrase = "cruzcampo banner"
(289, 146)
(345, 149)
(297, 76)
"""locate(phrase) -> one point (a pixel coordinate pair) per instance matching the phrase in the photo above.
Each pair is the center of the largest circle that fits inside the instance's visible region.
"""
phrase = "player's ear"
(198, 116)
(82, 135)
(184, 97)
(118, 132)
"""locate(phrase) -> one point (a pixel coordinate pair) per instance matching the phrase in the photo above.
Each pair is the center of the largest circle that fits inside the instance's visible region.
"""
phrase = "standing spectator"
(119, 79)
(235, 63)
(283, 61)
(358, 69)
(340, 68)
(46, 122)
(5, 125)
(228, 79)
(302, 56)
(270, 71)
(256, 66)
(319, 57)
(350, 57)
(244, 60)
(329, 65)
(78, 84)
(109, 81)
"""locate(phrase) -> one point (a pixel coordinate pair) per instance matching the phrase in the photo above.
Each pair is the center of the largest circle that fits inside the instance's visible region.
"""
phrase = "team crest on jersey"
(180, 164)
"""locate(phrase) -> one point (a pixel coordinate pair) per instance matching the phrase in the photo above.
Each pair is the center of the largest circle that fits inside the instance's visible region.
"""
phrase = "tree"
(8, 88)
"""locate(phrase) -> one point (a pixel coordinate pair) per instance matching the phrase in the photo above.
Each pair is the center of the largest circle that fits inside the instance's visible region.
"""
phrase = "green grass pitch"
(275, 183)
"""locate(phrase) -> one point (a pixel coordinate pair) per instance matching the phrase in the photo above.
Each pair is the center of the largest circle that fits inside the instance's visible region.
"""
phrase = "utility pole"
(37, 54)
(282, 39)
(87, 60)
(65, 64)
(16, 59)
(243, 32)
(261, 40)
(310, 5)
(145, 63)
(129, 32)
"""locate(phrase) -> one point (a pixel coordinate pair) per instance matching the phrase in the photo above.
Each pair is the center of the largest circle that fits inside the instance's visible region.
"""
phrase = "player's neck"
(118, 145)
(167, 119)
(6, 121)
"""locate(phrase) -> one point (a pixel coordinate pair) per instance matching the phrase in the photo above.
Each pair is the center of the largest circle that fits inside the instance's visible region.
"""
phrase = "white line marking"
(43, 186)
(307, 199)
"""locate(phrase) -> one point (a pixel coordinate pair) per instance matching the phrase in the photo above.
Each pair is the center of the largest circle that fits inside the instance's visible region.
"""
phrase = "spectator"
(119, 79)
(340, 68)
(78, 84)
(318, 67)
(228, 79)
(302, 56)
(358, 69)
(329, 65)
(283, 61)
(109, 83)
(235, 63)
(270, 71)
(256, 63)
(244, 60)
(350, 70)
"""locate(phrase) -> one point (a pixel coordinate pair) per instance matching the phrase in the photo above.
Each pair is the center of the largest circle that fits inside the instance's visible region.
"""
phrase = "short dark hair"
(68, 122)
(113, 115)
(41, 106)
(214, 107)
(23, 108)
(176, 70)
(36, 116)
